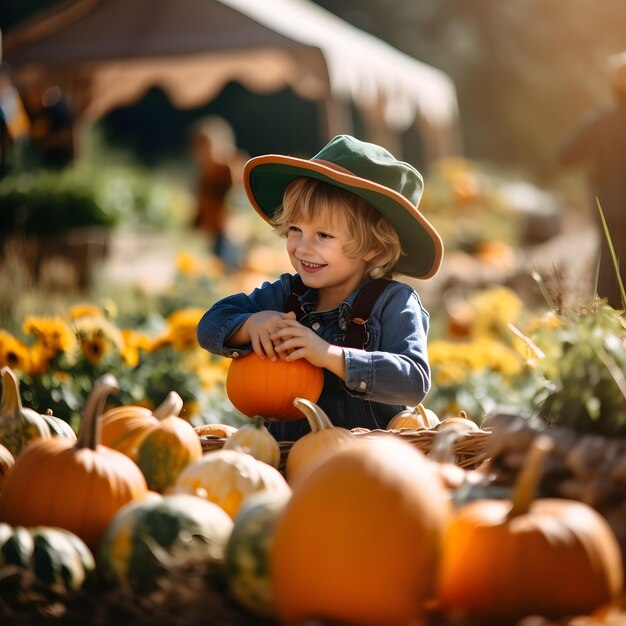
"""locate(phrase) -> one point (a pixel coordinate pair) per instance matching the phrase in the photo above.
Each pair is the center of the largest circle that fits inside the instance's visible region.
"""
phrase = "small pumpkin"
(255, 439)
(7, 461)
(160, 442)
(460, 423)
(324, 440)
(215, 430)
(415, 418)
(227, 477)
(246, 564)
(18, 425)
(78, 485)
(361, 537)
(147, 537)
(502, 557)
(264, 387)
(55, 558)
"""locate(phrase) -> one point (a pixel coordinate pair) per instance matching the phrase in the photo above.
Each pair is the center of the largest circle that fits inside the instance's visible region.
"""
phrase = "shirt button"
(342, 324)
(316, 326)
(362, 385)
(235, 355)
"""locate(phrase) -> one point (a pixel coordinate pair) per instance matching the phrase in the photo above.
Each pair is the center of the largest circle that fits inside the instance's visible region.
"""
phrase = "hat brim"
(266, 178)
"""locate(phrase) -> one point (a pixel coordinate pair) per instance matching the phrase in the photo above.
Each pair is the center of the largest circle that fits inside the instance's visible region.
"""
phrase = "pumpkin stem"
(11, 402)
(428, 418)
(318, 420)
(258, 421)
(172, 405)
(530, 474)
(89, 435)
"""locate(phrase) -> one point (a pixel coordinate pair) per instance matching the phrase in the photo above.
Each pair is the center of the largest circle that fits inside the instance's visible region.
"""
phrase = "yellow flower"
(182, 328)
(51, 333)
(94, 348)
(449, 374)
(133, 343)
(97, 337)
(13, 353)
(187, 263)
(39, 360)
(84, 310)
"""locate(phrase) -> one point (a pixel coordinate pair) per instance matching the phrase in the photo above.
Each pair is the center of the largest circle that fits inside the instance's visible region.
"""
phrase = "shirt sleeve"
(228, 314)
(398, 371)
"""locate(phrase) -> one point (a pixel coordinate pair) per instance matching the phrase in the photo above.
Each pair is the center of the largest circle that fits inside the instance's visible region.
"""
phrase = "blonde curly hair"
(309, 199)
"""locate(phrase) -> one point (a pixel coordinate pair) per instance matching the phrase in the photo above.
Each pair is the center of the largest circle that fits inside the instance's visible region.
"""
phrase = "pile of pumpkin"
(357, 530)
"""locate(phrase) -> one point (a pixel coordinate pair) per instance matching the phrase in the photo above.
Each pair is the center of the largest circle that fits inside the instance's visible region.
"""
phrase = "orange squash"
(503, 559)
(78, 485)
(416, 418)
(360, 539)
(160, 442)
(323, 441)
(264, 387)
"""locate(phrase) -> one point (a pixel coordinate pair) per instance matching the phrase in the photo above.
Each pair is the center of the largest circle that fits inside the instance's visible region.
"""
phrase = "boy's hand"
(294, 341)
(260, 327)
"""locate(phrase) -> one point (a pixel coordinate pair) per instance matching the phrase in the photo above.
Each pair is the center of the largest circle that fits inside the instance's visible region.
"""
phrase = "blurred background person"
(598, 142)
(51, 125)
(220, 166)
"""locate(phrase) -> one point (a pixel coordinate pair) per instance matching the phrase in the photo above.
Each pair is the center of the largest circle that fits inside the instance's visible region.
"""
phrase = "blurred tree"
(524, 69)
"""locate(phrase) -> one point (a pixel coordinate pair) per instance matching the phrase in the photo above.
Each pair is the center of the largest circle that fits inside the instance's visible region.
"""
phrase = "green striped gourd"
(247, 552)
(53, 557)
(147, 535)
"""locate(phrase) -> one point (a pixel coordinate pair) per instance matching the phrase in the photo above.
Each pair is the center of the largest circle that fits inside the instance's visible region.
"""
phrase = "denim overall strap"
(356, 331)
(293, 303)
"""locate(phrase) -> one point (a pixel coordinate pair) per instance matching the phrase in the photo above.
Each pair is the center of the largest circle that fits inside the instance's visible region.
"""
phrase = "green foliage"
(584, 371)
(46, 202)
(49, 202)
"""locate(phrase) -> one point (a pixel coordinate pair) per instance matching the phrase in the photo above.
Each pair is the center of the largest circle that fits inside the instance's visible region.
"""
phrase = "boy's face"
(316, 252)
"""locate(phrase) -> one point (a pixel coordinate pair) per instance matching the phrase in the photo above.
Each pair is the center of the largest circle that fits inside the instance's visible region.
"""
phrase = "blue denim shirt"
(391, 373)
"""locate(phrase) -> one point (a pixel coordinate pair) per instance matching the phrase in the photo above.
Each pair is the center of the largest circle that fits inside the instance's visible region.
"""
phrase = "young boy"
(350, 219)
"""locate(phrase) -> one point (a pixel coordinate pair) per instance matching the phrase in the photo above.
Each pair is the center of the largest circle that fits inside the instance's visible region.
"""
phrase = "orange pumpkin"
(323, 441)
(417, 418)
(78, 485)
(360, 539)
(503, 559)
(160, 442)
(264, 387)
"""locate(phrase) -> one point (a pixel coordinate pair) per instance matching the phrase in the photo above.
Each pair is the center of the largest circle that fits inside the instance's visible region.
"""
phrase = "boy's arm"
(397, 370)
(227, 317)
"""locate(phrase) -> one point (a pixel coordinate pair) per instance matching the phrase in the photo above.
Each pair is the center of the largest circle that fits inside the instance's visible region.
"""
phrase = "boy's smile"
(317, 254)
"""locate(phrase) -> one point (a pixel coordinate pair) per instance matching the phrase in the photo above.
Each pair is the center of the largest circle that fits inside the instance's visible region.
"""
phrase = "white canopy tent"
(108, 53)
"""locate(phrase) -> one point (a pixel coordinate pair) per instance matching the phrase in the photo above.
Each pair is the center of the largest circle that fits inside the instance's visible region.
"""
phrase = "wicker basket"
(470, 449)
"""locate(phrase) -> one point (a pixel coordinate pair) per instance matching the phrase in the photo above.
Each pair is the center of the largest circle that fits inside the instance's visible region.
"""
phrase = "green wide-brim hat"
(392, 187)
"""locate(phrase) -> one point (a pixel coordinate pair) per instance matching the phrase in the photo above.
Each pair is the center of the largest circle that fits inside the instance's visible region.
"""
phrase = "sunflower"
(84, 310)
(52, 334)
(13, 353)
(133, 343)
(97, 337)
(182, 328)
